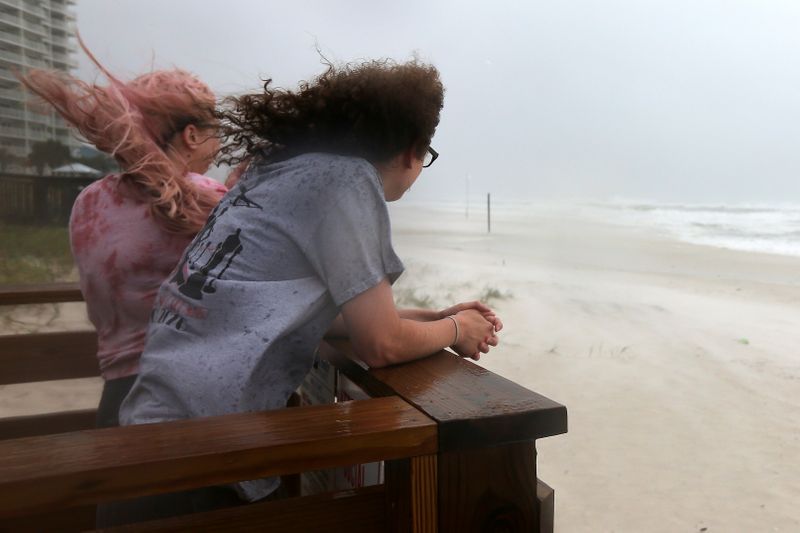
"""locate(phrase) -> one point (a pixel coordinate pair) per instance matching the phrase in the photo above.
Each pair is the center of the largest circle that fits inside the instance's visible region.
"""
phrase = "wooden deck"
(457, 441)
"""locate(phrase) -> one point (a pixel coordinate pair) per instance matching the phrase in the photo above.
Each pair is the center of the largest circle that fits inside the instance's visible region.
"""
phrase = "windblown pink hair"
(134, 122)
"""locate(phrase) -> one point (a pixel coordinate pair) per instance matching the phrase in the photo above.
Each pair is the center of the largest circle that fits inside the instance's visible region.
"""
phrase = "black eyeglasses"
(430, 157)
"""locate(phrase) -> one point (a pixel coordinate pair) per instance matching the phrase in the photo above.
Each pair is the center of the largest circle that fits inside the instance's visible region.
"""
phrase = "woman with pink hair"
(129, 230)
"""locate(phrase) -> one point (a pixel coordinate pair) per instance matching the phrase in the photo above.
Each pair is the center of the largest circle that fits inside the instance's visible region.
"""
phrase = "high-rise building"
(33, 34)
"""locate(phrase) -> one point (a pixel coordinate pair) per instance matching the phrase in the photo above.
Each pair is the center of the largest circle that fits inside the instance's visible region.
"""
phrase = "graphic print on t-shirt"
(242, 200)
(198, 281)
(222, 254)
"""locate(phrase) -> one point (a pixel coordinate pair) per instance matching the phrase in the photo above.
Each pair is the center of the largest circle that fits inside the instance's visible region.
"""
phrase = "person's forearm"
(338, 328)
(412, 340)
(381, 335)
(420, 315)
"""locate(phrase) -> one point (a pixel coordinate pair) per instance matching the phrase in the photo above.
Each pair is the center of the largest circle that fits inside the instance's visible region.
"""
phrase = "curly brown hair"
(375, 110)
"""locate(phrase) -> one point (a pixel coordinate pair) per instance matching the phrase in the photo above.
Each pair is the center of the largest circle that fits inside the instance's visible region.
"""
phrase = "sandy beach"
(678, 363)
(35, 398)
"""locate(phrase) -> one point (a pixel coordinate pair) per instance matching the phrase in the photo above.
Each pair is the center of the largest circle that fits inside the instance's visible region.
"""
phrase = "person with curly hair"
(299, 247)
(128, 230)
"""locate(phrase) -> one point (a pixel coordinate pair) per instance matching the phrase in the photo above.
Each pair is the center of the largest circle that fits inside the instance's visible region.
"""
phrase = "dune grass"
(490, 295)
(409, 297)
(34, 254)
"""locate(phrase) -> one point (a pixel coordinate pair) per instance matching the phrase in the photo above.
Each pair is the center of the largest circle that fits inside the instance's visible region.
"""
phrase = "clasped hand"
(478, 326)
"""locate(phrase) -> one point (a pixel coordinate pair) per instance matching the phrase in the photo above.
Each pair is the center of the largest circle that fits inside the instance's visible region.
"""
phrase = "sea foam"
(756, 228)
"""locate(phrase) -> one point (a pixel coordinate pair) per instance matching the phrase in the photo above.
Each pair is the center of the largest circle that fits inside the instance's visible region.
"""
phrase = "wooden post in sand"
(488, 212)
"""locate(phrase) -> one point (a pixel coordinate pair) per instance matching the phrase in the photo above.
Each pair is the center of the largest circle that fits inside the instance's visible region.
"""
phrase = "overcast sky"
(673, 100)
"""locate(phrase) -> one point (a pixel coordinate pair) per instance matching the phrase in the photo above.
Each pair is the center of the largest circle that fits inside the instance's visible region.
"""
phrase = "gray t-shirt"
(235, 326)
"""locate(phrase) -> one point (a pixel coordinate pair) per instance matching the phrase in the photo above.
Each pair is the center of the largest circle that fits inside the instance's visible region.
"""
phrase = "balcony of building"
(6, 75)
(12, 113)
(25, 7)
(61, 9)
(8, 18)
(35, 28)
(9, 35)
(19, 59)
(63, 61)
(14, 95)
(12, 131)
(11, 5)
(62, 44)
(60, 31)
(39, 118)
(20, 41)
(11, 57)
(38, 135)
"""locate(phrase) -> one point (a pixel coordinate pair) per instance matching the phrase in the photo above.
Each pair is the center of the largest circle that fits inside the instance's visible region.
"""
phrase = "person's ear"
(190, 136)
(408, 157)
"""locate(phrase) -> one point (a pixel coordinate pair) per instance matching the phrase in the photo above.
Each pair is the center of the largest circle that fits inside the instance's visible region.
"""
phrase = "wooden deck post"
(487, 427)
(412, 494)
(490, 489)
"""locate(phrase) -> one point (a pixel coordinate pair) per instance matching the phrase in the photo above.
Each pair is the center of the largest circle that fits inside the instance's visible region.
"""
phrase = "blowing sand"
(678, 363)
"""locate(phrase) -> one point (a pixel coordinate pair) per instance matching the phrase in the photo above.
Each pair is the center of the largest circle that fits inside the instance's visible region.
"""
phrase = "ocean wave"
(696, 208)
(758, 228)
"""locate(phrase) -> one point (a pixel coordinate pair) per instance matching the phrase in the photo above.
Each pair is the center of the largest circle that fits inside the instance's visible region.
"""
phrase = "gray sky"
(673, 100)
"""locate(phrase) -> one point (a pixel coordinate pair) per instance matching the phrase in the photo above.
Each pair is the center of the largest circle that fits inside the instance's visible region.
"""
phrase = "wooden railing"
(457, 441)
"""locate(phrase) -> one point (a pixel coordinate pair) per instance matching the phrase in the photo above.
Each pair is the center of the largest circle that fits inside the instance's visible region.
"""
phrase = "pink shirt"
(122, 255)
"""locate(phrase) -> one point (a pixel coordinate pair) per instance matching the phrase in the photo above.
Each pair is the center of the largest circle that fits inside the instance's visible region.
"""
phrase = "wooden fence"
(38, 200)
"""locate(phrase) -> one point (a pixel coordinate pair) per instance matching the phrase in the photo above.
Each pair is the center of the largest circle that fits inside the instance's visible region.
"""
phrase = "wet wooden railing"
(457, 441)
